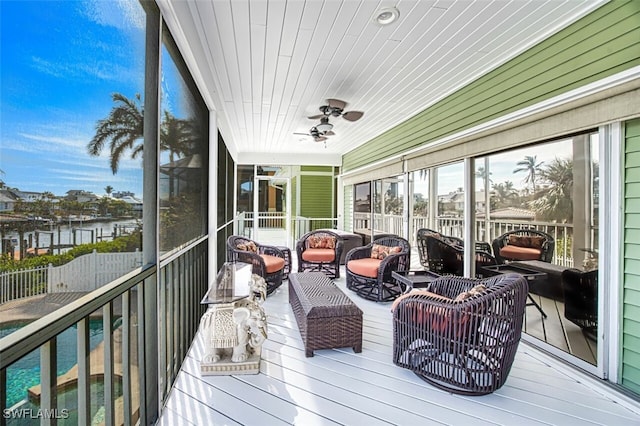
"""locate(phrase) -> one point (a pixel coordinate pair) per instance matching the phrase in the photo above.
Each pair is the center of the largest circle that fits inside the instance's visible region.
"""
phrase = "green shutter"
(601, 44)
(631, 259)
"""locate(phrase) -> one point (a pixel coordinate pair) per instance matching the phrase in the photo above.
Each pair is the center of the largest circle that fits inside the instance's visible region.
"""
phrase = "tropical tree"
(532, 167)
(122, 129)
(481, 173)
(555, 202)
(504, 194)
(108, 189)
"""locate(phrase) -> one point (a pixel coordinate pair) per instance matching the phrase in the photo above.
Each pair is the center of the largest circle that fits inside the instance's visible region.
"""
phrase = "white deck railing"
(83, 274)
(149, 319)
(561, 232)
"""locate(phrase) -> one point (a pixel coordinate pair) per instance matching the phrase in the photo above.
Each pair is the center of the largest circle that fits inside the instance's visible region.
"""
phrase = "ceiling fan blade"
(303, 134)
(337, 103)
(352, 115)
(320, 138)
(316, 117)
(329, 133)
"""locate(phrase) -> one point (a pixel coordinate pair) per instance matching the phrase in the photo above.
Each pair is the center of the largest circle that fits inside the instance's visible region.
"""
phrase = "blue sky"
(60, 63)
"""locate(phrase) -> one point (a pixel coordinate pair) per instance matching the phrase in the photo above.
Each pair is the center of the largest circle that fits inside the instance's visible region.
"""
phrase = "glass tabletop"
(232, 284)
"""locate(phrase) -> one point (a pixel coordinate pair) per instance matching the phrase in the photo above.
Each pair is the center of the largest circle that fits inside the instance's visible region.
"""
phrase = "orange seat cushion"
(520, 253)
(319, 255)
(272, 263)
(366, 267)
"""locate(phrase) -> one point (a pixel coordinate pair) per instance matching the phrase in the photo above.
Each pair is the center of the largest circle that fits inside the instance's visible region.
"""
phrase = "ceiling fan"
(335, 108)
(317, 135)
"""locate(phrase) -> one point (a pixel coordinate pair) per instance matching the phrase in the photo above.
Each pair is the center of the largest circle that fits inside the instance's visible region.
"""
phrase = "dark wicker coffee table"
(326, 317)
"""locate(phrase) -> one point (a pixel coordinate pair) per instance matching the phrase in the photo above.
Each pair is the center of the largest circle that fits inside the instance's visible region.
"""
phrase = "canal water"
(64, 236)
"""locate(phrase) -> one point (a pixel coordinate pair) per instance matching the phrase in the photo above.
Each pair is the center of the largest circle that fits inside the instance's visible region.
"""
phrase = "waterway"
(65, 236)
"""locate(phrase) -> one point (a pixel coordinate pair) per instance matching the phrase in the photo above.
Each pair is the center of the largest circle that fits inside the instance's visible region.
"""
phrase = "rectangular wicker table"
(326, 317)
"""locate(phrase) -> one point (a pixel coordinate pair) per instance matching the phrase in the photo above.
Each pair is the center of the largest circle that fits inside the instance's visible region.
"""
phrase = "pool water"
(25, 372)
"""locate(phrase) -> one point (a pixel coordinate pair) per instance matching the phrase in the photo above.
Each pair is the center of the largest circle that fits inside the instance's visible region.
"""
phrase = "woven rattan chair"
(320, 250)
(465, 346)
(267, 261)
(523, 244)
(369, 275)
(580, 290)
(445, 258)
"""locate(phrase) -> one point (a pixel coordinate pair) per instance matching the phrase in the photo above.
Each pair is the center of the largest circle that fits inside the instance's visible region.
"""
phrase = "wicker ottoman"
(326, 317)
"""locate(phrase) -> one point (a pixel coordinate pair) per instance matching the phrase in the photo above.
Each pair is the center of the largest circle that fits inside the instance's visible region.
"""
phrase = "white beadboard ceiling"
(265, 66)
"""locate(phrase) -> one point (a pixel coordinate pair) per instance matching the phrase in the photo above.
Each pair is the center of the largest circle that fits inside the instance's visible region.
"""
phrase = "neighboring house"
(81, 196)
(7, 200)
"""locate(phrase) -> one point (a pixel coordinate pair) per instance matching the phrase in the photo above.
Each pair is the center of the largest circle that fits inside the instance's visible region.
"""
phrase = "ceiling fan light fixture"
(324, 127)
(387, 15)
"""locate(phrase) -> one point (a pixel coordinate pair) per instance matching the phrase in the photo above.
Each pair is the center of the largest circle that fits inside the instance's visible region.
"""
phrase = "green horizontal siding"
(605, 42)
(631, 258)
(316, 196)
(326, 169)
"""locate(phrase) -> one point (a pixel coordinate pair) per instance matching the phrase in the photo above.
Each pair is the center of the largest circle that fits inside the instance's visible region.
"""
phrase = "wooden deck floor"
(341, 387)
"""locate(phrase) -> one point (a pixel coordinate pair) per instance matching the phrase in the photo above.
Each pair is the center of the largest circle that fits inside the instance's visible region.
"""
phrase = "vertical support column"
(212, 214)
(84, 396)
(108, 362)
(611, 192)
(582, 195)
(126, 357)
(433, 198)
(48, 381)
(469, 218)
(148, 368)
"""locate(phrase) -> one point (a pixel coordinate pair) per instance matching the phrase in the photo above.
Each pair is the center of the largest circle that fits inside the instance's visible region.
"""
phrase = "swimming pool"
(25, 372)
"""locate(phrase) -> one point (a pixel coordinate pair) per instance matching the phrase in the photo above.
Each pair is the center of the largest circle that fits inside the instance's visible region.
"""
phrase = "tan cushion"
(248, 246)
(520, 253)
(479, 289)
(379, 251)
(319, 255)
(272, 263)
(325, 242)
(367, 267)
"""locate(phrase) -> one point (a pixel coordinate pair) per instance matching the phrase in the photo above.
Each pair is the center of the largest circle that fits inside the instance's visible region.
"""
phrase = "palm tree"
(504, 193)
(123, 128)
(555, 202)
(108, 189)
(481, 173)
(530, 166)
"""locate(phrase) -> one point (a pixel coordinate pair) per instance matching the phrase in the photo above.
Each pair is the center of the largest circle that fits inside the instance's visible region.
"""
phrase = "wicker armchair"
(580, 291)
(462, 346)
(524, 244)
(369, 268)
(445, 258)
(267, 261)
(421, 239)
(320, 250)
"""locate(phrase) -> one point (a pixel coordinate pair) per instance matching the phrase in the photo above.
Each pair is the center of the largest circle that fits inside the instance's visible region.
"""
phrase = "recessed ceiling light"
(387, 15)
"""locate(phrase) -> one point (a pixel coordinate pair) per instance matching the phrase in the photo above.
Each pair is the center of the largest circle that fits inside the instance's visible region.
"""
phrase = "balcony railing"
(561, 232)
(149, 319)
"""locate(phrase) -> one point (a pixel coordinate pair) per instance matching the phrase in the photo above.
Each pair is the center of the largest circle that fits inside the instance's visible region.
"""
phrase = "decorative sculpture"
(234, 333)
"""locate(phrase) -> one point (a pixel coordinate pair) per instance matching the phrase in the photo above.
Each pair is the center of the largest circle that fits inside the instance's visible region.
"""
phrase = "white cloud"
(121, 14)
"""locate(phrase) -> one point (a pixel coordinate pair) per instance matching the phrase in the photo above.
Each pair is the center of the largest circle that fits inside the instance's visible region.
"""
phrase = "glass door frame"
(287, 209)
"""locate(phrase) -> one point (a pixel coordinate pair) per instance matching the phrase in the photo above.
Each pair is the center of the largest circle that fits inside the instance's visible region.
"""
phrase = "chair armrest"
(270, 250)
(358, 253)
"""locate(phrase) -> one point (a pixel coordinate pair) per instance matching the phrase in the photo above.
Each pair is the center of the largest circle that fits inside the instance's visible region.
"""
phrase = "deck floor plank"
(338, 386)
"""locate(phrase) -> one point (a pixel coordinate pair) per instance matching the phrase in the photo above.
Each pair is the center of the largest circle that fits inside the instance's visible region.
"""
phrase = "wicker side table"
(326, 317)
